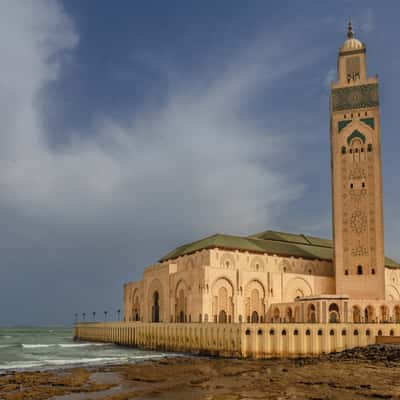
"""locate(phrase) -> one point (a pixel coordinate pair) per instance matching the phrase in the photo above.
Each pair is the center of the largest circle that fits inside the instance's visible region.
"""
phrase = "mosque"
(284, 277)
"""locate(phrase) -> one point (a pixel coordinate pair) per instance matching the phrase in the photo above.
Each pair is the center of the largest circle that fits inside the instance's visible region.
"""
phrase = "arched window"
(248, 332)
(373, 271)
(155, 309)
(397, 313)
(369, 314)
(259, 332)
(289, 314)
(333, 307)
(333, 313)
(359, 270)
(284, 332)
(356, 314)
(254, 317)
(384, 313)
(312, 317)
(222, 317)
(276, 315)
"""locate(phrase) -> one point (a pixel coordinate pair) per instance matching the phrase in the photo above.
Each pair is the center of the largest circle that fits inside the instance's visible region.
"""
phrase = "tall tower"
(356, 176)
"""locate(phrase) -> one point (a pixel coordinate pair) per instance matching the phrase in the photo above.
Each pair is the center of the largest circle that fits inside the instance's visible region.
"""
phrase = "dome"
(351, 43)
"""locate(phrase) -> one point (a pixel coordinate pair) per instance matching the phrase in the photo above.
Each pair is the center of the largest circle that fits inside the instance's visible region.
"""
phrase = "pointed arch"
(356, 134)
(295, 286)
(222, 291)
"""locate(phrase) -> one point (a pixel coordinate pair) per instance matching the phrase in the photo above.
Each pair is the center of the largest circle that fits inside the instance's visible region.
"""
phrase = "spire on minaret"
(350, 30)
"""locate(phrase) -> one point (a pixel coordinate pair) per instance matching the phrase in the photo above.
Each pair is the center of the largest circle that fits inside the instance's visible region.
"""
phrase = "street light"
(105, 315)
(94, 315)
(84, 316)
(76, 317)
(118, 313)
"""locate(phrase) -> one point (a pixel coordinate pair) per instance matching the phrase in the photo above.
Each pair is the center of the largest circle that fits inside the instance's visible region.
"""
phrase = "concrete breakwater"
(240, 340)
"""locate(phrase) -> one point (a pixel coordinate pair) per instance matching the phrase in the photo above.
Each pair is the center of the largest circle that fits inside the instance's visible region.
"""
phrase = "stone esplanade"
(257, 295)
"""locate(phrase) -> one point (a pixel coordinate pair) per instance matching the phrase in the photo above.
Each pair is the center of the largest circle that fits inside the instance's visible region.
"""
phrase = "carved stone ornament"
(358, 221)
(362, 96)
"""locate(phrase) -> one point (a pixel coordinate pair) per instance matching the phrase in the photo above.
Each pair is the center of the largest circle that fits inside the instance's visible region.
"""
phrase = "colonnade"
(238, 339)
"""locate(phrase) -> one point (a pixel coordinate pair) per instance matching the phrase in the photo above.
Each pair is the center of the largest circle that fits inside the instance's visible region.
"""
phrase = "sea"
(46, 348)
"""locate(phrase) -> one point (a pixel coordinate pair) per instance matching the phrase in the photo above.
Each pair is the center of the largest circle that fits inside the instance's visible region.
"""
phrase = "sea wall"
(239, 340)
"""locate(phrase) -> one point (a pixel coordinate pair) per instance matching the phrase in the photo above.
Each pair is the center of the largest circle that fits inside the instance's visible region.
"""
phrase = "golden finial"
(350, 30)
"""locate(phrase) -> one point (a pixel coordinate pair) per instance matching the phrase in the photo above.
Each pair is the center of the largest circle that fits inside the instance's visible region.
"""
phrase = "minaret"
(356, 176)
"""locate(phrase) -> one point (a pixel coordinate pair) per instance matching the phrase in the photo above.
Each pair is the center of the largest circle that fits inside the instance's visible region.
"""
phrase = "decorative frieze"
(354, 97)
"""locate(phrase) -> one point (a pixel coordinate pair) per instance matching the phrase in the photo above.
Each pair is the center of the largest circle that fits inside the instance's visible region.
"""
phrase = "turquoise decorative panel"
(343, 124)
(356, 134)
(369, 121)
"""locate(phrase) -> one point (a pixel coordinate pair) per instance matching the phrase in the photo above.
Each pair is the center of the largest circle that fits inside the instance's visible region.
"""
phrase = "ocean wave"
(146, 356)
(68, 345)
(5, 337)
(95, 360)
(36, 346)
(4, 346)
(21, 365)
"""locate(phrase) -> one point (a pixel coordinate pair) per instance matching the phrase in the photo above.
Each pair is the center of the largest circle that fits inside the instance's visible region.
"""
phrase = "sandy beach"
(371, 373)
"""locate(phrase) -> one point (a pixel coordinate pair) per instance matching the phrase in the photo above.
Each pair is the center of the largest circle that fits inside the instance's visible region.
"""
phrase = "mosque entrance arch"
(155, 309)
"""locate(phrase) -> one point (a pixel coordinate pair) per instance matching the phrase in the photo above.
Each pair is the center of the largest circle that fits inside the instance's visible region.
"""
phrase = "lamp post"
(84, 316)
(118, 314)
(105, 315)
(94, 315)
(76, 317)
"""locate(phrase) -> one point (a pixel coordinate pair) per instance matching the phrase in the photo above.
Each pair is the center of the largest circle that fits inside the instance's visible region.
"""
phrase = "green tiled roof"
(270, 242)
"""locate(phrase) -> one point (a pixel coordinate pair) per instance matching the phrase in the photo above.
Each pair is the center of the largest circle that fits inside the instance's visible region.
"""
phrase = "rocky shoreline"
(362, 373)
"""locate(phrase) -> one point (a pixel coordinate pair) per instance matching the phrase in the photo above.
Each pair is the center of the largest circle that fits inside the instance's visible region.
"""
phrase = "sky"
(130, 128)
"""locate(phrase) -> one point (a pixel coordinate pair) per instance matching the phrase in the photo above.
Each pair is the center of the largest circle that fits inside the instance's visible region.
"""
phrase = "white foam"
(67, 345)
(4, 346)
(144, 357)
(36, 346)
(84, 361)
(21, 365)
(6, 337)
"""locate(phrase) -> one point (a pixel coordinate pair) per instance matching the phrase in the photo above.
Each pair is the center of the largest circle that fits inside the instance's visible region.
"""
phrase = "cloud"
(194, 157)
(82, 215)
(329, 78)
(367, 21)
